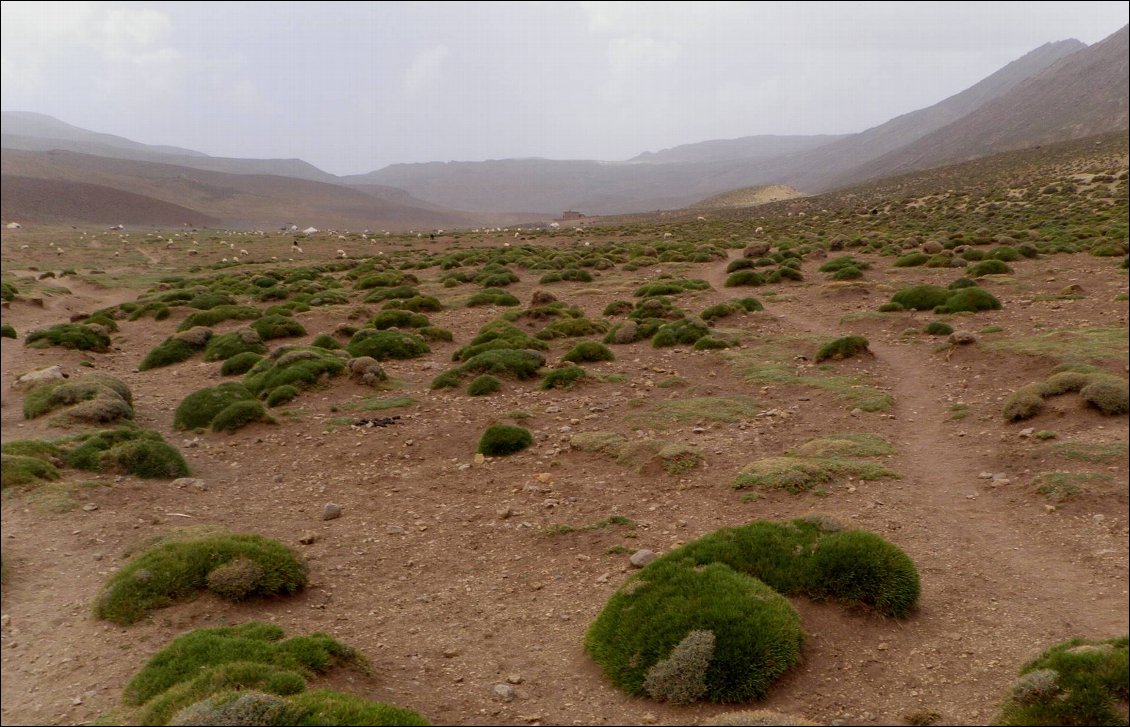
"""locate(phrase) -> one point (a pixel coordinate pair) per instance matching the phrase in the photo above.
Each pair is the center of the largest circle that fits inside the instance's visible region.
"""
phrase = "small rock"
(308, 538)
(985, 476)
(856, 412)
(505, 692)
(602, 578)
(479, 458)
(90, 506)
(76, 701)
(962, 338)
(194, 482)
(883, 646)
(642, 557)
(552, 409)
(505, 513)
(514, 678)
(649, 718)
(1049, 508)
(41, 376)
(394, 530)
(6, 621)
(331, 511)
(1026, 432)
(450, 653)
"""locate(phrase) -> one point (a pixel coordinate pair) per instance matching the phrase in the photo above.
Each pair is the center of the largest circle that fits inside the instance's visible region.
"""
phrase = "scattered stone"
(962, 338)
(308, 538)
(1027, 432)
(856, 412)
(985, 476)
(394, 530)
(514, 678)
(479, 458)
(642, 557)
(883, 646)
(194, 482)
(331, 511)
(505, 512)
(450, 652)
(602, 578)
(90, 506)
(505, 692)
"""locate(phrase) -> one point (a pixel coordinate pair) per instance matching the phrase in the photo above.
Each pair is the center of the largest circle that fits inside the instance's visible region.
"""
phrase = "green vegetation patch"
(248, 674)
(384, 345)
(1078, 682)
(219, 314)
(1064, 486)
(199, 408)
(641, 455)
(299, 366)
(78, 336)
(771, 362)
(802, 474)
(841, 348)
(94, 398)
(725, 409)
(708, 621)
(234, 343)
(502, 439)
(1093, 344)
(234, 566)
(277, 326)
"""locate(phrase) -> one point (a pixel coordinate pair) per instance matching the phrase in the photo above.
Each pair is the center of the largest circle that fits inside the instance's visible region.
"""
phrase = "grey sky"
(351, 87)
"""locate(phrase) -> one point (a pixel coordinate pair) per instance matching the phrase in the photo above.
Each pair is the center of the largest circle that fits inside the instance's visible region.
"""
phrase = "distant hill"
(28, 131)
(38, 187)
(683, 175)
(748, 197)
(746, 147)
(1082, 94)
(58, 201)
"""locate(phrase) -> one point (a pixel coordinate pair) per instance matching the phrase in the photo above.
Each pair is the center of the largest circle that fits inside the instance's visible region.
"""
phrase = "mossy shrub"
(17, 470)
(220, 314)
(178, 568)
(842, 348)
(588, 351)
(503, 439)
(94, 398)
(416, 304)
(969, 300)
(240, 363)
(483, 385)
(938, 328)
(252, 658)
(168, 352)
(988, 267)
(1025, 403)
(617, 308)
(435, 333)
(239, 414)
(277, 326)
(564, 377)
(862, 567)
(847, 273)
(199, 408)
(398, 319)
(493, 296)
(741, 263)
(685, 332)
(1108, 394)
(299, 366)
(281, 395)
(757, 634)
(712, 343)
(322, 707)
(912, 260)
(384, 345)
(77, 336)
(326, 341)
(521, 364)
(1078, 682)
(7, 331)
(744, 278)
(147, 457)
(226, 345)
(921, 297)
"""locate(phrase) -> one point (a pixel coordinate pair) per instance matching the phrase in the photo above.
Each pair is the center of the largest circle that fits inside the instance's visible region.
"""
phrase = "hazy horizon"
(353, 87)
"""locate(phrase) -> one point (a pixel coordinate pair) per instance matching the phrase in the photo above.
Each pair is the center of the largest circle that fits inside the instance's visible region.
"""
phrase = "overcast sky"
(351, 87)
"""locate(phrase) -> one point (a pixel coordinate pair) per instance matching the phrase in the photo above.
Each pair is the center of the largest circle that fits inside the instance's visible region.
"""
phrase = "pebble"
(194, 482)
(308, 538)
(505, 692)
(90, 506)
(1027, 432)
(856, 412)
(985, 476)
(514, 678)
(642, 557)
(450, 653)
(331, 511)
(394, 530)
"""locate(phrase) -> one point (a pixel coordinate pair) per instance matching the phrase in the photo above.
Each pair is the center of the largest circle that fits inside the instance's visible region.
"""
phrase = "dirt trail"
(1017, 582)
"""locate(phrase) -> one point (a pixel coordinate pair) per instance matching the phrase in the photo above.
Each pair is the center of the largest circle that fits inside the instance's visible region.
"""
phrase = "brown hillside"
(236, 200)
(48, 201)
(1083, 94)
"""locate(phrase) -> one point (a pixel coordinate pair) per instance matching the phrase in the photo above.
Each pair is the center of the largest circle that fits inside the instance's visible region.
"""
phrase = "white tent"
(310, 230)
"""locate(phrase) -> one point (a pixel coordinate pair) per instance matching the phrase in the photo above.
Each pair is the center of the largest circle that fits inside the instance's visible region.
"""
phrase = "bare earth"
(440, 573)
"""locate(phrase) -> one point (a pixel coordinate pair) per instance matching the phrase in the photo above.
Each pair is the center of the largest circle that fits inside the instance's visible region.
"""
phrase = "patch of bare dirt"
(441, 571)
